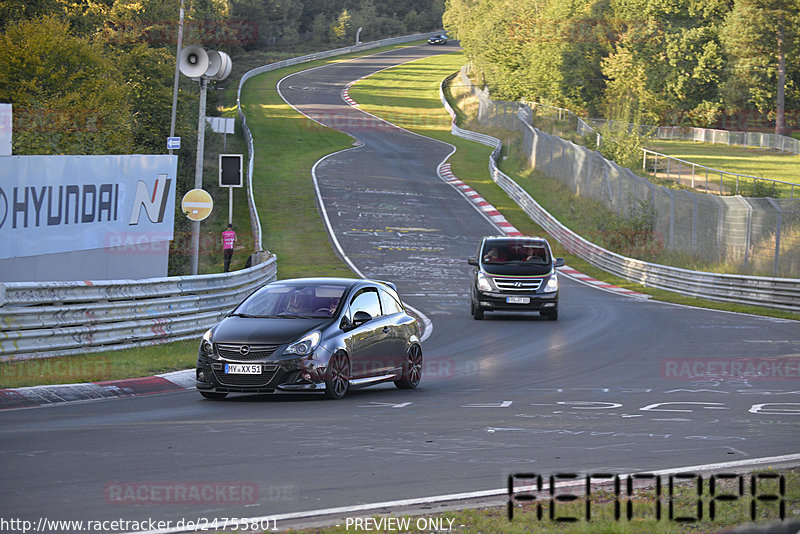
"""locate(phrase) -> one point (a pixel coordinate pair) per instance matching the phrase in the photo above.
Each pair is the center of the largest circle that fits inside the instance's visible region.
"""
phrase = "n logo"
(155, 205)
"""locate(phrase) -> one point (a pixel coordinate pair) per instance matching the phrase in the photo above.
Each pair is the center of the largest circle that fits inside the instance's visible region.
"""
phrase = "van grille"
(515, 284)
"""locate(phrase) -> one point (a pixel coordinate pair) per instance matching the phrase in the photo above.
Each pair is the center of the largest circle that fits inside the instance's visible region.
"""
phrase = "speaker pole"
(177, 74)
(198, 169)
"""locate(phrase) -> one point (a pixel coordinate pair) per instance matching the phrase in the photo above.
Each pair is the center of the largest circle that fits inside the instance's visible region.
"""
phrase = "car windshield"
(315, 301)
(516, 252)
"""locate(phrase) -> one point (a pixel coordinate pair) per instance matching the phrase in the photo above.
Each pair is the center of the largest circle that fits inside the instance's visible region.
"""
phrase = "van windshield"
(497, 252)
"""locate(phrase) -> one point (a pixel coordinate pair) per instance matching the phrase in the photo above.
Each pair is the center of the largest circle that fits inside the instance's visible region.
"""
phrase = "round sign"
(197, 204)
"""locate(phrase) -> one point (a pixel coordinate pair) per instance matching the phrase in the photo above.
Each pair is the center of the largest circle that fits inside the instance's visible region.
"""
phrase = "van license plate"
(242, 369)
(518, 300)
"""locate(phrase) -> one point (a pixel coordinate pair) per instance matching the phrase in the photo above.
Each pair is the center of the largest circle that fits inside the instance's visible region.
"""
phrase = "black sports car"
(324, 335)
(438, 40)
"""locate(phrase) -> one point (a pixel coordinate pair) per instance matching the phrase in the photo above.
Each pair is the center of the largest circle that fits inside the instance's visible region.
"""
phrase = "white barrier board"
(52, 204)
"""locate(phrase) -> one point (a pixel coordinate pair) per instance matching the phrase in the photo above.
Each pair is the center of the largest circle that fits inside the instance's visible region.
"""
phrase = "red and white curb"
(30, 397)
(507, 228)
(346, 94)
(585, 278)
(473, 196)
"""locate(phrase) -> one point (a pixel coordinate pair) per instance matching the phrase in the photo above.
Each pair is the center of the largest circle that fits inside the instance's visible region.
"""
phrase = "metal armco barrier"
(45, 319)
(782, 293)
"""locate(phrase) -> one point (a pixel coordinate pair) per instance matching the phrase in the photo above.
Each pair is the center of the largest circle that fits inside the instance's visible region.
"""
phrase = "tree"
(67, 93)
(761, 36)
(341, 28)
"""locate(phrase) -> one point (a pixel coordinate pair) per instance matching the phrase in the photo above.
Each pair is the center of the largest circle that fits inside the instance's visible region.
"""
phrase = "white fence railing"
(716, 136)
(45, 319)
(782, 293)
(730, 182)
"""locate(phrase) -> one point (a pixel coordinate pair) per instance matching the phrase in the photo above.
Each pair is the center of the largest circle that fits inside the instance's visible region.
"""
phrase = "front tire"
(412, 369)
(213, 395)
(338, 376)
(477, 312)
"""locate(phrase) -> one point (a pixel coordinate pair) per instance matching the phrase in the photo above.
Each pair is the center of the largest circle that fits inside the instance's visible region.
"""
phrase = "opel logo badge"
(245, 350)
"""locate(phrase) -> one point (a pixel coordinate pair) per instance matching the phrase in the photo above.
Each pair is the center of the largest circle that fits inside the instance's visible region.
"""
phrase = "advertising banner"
(53, 204)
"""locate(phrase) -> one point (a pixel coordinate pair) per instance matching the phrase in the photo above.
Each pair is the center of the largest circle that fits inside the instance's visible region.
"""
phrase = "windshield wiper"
(247, 315)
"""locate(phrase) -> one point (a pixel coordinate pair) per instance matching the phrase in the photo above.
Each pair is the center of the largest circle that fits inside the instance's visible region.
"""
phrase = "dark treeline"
(95, 76)
(692, 62)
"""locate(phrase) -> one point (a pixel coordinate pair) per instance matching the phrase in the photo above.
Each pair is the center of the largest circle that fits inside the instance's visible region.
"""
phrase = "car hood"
(270, 331)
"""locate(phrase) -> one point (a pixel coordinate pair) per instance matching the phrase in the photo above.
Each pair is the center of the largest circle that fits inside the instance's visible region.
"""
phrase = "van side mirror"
(473, 261)
(559, 262)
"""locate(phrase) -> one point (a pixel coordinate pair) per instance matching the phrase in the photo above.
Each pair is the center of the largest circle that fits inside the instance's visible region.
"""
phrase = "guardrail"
(781, 293)
(254, 219)
(45, 319)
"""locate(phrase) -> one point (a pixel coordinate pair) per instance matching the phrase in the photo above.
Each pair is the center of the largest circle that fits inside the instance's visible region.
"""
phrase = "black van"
(515, 274)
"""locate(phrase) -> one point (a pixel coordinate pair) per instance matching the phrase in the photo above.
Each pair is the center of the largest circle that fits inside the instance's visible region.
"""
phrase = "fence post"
(777, 236)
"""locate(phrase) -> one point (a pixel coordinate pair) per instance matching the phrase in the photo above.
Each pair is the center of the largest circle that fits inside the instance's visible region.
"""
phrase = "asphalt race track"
(603, 389)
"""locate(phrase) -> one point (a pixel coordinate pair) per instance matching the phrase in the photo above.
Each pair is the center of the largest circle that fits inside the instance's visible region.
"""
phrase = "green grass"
(756, 162)
(644, 519)
(111, 365)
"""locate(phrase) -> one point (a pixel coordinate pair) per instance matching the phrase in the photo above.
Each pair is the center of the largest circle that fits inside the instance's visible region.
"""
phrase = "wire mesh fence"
(751, 235)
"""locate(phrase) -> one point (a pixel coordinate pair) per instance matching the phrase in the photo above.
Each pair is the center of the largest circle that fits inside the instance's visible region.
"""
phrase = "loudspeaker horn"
(194, 61)
(219, 65)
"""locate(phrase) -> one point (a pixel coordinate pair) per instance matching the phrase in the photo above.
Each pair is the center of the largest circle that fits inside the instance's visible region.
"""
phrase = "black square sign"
(230, 170)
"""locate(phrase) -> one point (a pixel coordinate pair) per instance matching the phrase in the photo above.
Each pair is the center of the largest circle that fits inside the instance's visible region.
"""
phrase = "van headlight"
(484, 283)
(552, 284)
(305, 345)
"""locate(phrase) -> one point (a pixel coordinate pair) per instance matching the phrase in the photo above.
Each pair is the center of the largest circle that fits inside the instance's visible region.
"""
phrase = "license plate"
(242, 369)
(518, 300)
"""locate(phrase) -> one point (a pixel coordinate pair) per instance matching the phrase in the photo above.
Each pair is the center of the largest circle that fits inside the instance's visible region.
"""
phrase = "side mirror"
(559, 262)
(345, 325)
(473, 261)
(361, 317)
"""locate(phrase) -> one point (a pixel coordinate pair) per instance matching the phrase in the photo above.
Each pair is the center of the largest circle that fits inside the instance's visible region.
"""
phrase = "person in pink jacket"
(228, 240)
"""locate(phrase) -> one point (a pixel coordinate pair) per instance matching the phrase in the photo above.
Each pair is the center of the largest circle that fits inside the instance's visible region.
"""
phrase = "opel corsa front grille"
(245, 352)
(515, 284)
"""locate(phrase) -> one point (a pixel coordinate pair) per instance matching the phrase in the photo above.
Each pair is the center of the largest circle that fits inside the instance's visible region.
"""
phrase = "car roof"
(349, 282)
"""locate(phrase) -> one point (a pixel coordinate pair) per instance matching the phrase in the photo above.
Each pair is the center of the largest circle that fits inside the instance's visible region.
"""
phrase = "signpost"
(230, 176)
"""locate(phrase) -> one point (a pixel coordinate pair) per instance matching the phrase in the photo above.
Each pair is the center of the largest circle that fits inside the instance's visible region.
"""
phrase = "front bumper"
(282, 376)
(495, 300)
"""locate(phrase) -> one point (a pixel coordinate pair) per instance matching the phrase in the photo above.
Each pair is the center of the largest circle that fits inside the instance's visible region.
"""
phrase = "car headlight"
(305, 345)
(484, 283)
(552, 284)
(206, 345)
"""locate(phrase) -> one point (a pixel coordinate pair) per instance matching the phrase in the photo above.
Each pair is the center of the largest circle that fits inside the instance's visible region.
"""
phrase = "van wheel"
(477, 312)
(550, 314)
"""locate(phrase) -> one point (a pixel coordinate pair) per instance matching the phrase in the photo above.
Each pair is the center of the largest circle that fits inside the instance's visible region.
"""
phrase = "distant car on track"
(514, 274)
(438, 40)
(326, 335)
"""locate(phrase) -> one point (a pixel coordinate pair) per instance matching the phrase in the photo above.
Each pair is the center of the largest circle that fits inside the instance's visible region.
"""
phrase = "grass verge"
(287, 146)
(688, 513)
(415, 105)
